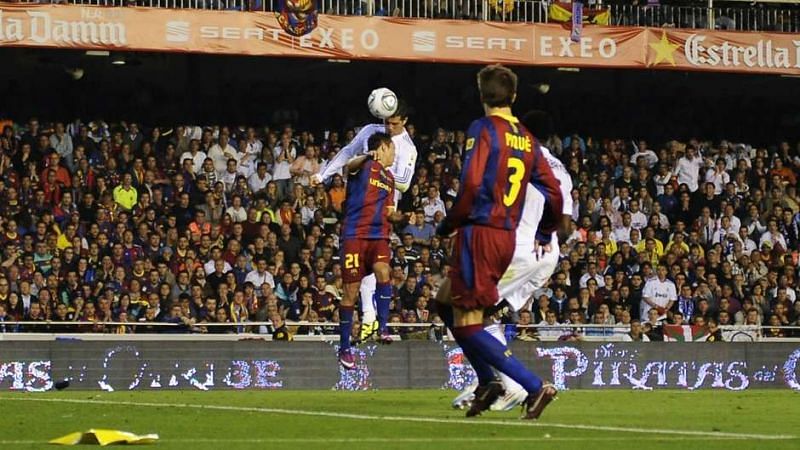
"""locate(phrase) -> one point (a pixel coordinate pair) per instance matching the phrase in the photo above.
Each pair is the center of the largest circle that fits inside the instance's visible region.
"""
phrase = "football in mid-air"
(382, 103)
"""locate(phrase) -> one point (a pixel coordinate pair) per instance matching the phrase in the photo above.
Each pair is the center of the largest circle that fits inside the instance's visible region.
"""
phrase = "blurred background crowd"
(197, 225)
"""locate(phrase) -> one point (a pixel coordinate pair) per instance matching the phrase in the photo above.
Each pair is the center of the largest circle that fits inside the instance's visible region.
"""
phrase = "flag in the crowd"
(685, 333)
(562, 12)
(577, 21)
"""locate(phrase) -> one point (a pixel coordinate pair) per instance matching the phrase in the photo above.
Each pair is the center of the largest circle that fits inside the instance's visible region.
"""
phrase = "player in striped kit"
(403, 170)
(369, 203)
(529, 270)
(501, 159)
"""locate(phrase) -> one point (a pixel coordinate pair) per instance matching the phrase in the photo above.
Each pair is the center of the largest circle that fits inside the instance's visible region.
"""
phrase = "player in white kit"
(403, 170)
(529, 270)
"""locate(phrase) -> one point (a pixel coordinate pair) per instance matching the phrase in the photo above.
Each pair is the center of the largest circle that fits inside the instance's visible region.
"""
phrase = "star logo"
(664, 49)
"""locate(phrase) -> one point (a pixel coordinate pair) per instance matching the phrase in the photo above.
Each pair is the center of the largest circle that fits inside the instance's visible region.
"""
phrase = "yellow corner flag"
(105, 437)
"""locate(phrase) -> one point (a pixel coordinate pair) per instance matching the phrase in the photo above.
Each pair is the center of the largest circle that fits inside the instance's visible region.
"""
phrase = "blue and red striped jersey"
(370, 195)
(501, 158)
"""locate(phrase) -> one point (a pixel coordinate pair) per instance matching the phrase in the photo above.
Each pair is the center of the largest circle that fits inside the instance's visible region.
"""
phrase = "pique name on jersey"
(517, 142)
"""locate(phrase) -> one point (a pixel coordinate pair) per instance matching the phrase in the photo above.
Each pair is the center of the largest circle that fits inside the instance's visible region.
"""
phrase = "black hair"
(402, 109)
(539, 123)
(376, 140)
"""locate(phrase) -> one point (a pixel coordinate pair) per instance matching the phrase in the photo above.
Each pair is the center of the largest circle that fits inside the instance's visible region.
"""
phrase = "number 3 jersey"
(370, 195)
(501, 158)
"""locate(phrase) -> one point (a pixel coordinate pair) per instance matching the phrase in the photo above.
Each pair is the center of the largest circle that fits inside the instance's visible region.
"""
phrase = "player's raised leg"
(376, 299)
(383, 290)
(514, 393)
(471, 294)
(369, 204)
(369, 320)
(346, 311)
(488, 385)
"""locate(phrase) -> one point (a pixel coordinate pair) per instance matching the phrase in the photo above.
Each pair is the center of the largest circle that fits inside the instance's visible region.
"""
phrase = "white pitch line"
(687, 433)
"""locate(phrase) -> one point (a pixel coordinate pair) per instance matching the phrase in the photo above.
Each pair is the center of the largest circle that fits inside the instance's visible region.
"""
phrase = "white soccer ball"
(382, 103)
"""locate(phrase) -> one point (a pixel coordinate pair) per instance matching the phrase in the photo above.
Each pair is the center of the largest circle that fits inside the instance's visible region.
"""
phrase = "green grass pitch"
(410, 419)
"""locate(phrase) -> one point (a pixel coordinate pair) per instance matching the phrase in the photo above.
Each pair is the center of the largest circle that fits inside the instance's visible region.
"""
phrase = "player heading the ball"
(394, 121)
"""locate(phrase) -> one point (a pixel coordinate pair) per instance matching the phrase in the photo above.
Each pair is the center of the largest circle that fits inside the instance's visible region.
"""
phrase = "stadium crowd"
(195, 226)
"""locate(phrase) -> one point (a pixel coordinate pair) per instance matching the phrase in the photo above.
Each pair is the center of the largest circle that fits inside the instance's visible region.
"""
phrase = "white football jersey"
(533, 209)
(661, 293)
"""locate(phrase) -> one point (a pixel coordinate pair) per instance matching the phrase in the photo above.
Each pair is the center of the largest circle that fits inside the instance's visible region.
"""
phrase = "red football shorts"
(359, 255)
(480, 257)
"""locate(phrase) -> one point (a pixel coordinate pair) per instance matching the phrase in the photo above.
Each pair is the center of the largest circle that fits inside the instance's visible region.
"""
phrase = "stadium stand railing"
(49, 330)
(740, 15)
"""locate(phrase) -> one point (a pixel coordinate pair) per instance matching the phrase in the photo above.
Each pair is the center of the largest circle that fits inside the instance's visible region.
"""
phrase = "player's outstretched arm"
(354, 148)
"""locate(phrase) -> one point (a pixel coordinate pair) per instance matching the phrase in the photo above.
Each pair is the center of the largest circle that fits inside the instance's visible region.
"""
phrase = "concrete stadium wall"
(203, 365)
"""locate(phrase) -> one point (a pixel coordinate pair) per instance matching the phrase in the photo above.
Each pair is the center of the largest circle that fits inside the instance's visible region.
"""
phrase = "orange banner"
(391, 38)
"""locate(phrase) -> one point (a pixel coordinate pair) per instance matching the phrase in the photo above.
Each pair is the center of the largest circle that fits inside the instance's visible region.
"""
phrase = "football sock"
(482, 368)
(345, 326)
(496, 355)
(368, 312)
(496, 331)
(367, 291)
(383, 298)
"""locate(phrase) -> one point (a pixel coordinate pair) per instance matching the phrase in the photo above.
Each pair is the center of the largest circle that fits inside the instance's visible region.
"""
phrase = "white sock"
(496, 330)
(367, 291)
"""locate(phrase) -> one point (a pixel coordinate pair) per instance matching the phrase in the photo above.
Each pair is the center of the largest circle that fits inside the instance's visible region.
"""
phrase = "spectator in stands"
(636, 333)
(524, 331)
(546, 328)
(284, 154)
(421, 231)
(432, 204)
(125, 195)
(141, 211)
